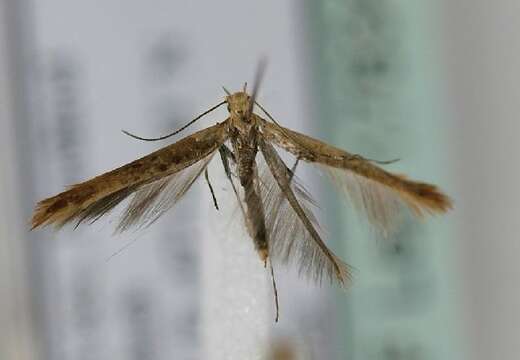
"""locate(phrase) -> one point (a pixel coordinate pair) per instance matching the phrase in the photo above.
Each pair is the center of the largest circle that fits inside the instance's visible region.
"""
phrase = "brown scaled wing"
(376, 192)
(157, 181)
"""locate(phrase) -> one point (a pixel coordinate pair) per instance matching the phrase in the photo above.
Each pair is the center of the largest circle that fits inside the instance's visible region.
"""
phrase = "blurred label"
(143, 302)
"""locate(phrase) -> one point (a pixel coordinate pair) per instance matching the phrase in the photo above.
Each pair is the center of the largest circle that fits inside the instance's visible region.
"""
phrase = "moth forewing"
(152, 200)
(96, 197)
(373, 190)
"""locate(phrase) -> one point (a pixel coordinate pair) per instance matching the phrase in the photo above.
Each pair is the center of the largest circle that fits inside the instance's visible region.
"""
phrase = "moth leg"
(225, 155)
(293, 169)
(275, 292)
(206, 176)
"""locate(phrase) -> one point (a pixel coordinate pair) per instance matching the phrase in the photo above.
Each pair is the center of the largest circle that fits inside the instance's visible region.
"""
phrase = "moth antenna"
(379, 162)
(206, 176)
(226, 91)
(384, 162)
(245, 87)
(176, 131)
(275, 292)
(260, 70)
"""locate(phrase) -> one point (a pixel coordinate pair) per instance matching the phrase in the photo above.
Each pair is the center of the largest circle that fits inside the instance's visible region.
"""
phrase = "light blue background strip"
(376, 84)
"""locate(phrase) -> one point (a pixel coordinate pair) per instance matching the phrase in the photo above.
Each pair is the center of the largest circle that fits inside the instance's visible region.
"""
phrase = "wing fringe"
(292, 226)
(92, 199)
(378, 193)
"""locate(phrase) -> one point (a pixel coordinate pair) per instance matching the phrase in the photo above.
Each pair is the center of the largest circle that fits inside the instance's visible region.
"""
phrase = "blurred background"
(433, 83)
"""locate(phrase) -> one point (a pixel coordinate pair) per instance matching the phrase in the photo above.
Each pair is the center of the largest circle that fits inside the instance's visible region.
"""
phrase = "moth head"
(238, 105)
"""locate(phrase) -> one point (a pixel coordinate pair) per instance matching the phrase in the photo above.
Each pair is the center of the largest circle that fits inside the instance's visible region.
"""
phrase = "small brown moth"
(275, 206)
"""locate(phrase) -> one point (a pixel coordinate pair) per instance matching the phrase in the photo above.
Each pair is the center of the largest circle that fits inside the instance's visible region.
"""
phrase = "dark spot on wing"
(58, 205)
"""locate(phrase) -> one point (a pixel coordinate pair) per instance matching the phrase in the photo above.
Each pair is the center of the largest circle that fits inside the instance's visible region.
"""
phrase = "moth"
(276, 208)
